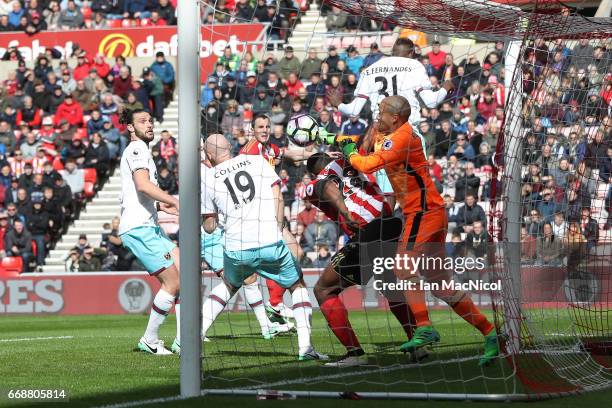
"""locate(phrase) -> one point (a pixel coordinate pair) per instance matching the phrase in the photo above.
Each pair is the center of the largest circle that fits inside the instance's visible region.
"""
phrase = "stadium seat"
(90, 175)
(387, 41)
(127, 23)
(91, 178)
(144, 22)
(57, 163)
(354, 41)
(34, 248)
(89, 190)
(335, 41)
(87, 12)
(304, 5)
(12, 265)
(115, 23)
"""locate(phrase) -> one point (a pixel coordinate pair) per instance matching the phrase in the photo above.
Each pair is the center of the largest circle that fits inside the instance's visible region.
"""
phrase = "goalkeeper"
(402, 156)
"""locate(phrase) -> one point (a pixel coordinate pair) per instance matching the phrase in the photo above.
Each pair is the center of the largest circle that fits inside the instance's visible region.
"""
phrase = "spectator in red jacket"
(102, 68)
(293, 84)
(69, 110)
(437, 58)
(83, 67)
(29, 113)
(487, 104)
(122, 84)
(155, 20)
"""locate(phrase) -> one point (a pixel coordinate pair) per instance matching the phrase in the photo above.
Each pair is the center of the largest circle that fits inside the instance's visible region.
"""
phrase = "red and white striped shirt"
(363, 198)
(254, 147)
(16, 166)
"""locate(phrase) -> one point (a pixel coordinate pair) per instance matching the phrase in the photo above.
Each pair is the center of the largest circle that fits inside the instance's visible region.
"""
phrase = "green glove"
(348, 147)
(325, 137)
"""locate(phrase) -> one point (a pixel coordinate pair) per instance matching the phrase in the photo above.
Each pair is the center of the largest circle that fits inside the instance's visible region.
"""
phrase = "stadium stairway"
(302, 36)
(103, 207)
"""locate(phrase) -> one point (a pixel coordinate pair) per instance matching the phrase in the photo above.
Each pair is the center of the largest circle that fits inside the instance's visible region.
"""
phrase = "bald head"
(397, 105)
(403, 47)
(217, 148)
(393, 113)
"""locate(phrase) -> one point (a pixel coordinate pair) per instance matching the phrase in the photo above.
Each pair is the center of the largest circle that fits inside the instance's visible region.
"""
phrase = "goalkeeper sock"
(337, 318)
(466, 308)
(404, 316)
(416, 301)
(302, 312)
(159, 310)
(254, 298)
(177, 312)
(214, 305)
(276, 292)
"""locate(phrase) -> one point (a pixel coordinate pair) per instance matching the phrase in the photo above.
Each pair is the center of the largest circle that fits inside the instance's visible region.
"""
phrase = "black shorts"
(354, 262)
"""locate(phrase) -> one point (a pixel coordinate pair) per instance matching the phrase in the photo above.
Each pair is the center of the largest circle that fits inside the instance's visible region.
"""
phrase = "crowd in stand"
(34, 16)
(57, 121)
(65, 114)
(567, 89)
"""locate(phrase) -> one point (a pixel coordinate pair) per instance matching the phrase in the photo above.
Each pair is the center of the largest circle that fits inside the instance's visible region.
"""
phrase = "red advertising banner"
(133, 292)
(138, 41)
(114, 293)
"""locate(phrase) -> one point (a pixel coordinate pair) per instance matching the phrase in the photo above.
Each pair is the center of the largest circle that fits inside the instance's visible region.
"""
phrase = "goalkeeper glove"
(348, 147)
(324, 137)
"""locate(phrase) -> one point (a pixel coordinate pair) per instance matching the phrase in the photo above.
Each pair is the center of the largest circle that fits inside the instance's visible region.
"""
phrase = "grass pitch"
(93, 359)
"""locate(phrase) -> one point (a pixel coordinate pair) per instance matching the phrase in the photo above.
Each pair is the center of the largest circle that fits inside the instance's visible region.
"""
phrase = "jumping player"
(259, 145)
(399, 74)
(402, 156)
(241, 192)
(141, 198)
(359, 206)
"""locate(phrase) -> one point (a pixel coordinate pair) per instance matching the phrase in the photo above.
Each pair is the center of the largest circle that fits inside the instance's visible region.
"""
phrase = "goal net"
(518, 151)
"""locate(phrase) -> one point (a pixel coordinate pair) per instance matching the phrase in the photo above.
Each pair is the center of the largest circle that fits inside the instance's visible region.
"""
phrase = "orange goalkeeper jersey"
(402, 157)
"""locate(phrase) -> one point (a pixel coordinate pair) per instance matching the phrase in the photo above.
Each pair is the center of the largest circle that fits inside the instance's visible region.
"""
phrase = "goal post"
(554, 342)
(189, 195)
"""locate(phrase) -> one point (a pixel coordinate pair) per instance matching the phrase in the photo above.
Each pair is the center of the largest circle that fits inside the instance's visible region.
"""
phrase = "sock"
(337, 318)
(415, 299)
(214, 305)
(276, 292)
(254, 298)
(404, 316)
(302, 312)
(177, 312)
(466, 308)
(159, 310)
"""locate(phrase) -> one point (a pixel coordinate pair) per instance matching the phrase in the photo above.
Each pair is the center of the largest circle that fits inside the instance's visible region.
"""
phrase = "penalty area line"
(36, 338)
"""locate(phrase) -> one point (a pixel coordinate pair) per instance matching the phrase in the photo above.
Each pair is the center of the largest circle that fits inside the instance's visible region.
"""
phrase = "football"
(302, 130)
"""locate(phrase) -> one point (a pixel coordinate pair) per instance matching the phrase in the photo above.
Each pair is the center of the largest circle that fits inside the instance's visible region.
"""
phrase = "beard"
(143, 136)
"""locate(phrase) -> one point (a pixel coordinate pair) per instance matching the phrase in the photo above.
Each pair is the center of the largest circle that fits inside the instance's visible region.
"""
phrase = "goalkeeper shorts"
(212, 249)
(272, 261)
(378, 239)
(151, 246)
(424, 227)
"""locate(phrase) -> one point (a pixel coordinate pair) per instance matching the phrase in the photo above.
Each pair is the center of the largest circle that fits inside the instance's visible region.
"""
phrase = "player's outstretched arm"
(145, 186)
(353, 108)
(432, 99)
(299, 154)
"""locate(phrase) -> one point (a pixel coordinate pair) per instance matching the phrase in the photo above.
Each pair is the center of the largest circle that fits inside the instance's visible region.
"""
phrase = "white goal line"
(36, 338)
